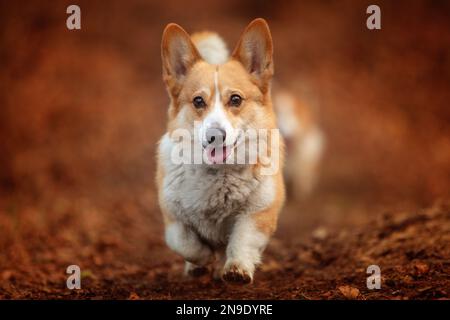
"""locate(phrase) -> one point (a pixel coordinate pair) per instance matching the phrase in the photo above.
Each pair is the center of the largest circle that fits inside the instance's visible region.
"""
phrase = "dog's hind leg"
(219, 263)
(194, 271)
(183, 240)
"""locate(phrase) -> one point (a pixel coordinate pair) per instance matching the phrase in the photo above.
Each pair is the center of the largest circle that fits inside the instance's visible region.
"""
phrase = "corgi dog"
(219, 212)
(304, 141)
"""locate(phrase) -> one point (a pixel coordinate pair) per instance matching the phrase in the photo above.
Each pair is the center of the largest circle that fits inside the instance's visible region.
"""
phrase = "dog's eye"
(235, 100)
(198, 102)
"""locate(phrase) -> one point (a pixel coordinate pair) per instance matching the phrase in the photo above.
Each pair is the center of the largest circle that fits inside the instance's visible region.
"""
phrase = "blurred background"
(81, 113)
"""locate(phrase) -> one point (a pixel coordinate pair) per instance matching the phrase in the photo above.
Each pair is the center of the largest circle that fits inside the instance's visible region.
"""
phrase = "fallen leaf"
(349, 292)
(408, 279)
(421, 268)
(85, 274)
(133, 296)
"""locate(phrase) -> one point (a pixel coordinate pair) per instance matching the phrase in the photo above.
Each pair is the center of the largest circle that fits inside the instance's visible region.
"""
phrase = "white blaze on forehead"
(217, 117)
(216, 89)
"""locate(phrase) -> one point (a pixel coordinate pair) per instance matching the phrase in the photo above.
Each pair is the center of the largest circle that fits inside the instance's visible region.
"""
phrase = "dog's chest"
(209, 199)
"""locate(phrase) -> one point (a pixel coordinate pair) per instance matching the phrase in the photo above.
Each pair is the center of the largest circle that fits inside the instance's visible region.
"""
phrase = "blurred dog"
(215, 210)
(304, 143)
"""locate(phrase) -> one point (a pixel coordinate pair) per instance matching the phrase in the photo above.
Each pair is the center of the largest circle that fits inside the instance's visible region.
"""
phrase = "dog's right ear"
(178, 55)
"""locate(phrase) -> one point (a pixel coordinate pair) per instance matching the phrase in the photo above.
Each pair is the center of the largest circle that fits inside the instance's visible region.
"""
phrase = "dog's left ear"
(254, 50)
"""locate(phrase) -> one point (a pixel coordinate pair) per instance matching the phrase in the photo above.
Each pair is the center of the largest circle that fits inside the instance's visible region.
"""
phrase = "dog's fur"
(304, 143)
(224, 213)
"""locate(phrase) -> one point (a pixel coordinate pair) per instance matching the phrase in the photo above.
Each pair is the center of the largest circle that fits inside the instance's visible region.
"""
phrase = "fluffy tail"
(211, 46)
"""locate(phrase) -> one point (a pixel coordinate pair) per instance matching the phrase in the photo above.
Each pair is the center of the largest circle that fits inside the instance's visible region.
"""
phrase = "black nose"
(216, 136)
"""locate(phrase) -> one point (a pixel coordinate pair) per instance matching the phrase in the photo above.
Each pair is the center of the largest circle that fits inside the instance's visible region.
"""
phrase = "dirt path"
(411, 248)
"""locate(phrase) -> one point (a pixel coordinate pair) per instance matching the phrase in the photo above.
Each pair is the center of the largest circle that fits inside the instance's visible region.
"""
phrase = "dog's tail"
(211, 47)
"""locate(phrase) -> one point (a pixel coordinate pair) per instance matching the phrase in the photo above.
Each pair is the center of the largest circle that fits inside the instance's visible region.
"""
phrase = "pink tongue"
(217, 154)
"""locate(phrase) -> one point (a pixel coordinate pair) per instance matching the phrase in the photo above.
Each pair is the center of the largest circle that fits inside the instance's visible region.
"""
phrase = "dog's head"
(224, 99)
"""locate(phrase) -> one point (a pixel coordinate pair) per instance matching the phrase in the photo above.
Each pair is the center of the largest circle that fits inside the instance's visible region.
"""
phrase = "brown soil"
(410, 247)
(81, 113)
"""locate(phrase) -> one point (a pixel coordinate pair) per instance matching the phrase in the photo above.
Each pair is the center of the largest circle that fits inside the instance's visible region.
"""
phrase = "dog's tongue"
(217, 155)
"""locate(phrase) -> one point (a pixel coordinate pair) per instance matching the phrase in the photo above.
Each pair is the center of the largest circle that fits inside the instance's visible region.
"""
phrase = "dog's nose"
(216, 136)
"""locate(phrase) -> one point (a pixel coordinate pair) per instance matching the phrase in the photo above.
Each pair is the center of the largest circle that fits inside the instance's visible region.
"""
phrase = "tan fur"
(266, 220)
(200, 36)
(304, 139)
(301, 110)
(242, 74)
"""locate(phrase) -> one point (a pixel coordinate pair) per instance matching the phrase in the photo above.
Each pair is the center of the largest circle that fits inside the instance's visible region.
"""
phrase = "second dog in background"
(304, 142)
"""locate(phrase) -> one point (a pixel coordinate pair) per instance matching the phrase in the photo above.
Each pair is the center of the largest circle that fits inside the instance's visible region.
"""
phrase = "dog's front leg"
(183, 240)
(247, 241)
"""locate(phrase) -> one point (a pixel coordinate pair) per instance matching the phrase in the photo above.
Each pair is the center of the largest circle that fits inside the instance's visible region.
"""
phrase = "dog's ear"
(178, 54)
(254, 50)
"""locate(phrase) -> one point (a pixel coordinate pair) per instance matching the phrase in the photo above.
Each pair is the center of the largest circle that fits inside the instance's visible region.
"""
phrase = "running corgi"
(218, 210)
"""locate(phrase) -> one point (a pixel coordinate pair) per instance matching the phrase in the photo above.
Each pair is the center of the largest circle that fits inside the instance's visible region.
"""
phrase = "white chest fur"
(209, 199)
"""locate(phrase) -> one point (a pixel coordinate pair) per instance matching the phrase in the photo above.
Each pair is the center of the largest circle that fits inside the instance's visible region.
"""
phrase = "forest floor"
(410, 247)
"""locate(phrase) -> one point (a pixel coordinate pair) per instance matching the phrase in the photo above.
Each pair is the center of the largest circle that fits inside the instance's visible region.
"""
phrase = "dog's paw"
(195, 271)
(233, 272)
